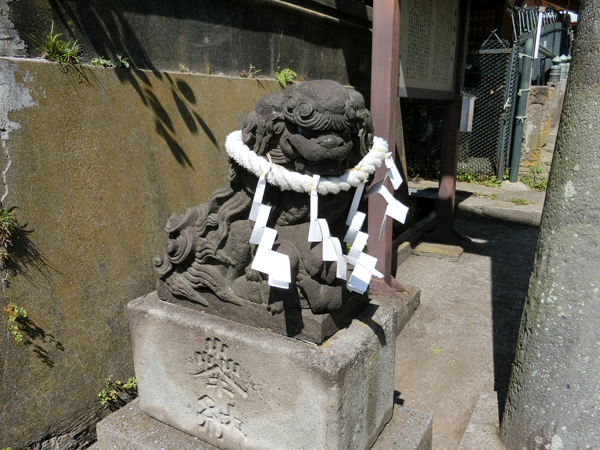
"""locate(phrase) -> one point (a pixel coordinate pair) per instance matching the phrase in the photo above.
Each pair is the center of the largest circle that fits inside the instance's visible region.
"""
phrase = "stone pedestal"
(240, 387)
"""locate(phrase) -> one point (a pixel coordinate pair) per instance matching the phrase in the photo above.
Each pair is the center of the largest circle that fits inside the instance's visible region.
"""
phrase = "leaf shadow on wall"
(25, 257)
(107, 29)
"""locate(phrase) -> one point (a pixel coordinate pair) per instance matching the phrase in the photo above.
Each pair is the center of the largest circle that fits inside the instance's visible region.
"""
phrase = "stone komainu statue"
(315, 127)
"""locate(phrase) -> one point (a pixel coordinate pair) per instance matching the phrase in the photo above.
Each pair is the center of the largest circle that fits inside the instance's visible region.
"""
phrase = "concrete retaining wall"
(96, 162)
(316, 38)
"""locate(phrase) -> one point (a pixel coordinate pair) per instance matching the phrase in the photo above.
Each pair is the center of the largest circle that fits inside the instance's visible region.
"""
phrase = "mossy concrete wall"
(544, 105)
(96, 161)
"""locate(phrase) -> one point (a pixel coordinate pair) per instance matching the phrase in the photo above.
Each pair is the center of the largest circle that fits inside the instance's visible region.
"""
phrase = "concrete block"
(300, 323)
(441, 251)
(404, 252)
(408, 430)
(529, 215)
(236, 386)
(407, 303)
(131, 429)
(484, 426)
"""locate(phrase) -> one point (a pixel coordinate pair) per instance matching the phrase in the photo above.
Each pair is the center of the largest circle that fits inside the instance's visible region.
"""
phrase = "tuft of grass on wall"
(8, 226)
(54, 48)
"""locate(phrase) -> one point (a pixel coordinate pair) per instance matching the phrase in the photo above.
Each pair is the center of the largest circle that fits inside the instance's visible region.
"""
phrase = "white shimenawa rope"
(287, 180)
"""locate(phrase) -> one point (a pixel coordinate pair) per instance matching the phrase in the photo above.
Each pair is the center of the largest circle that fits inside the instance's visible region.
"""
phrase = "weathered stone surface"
(10, 43)
(132, 429)
(537, 126)
(407, 302)
(95, 165)
(233, 385)
(517, 186)
(553, 399)
(441, 251)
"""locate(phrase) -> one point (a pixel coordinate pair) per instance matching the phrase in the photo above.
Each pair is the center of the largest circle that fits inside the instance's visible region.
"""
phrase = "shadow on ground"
(511, 249)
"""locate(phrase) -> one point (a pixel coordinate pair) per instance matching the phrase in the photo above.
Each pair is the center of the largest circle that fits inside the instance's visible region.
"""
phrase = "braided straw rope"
(286, 180)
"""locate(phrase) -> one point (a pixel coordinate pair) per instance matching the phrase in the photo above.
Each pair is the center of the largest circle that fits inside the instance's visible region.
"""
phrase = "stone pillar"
(554, 393)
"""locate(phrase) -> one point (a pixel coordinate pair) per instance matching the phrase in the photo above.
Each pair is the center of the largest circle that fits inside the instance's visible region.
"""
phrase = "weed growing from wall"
(8, 228)
(54, 48)
(117, 394)
(14, 314)
(535, 180)
(285, 76)
(102, 62)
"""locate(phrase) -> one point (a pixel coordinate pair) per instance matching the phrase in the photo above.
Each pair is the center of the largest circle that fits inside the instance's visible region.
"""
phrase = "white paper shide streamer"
(277, 265)
(364, 265)
(259, 193)
(314, 232)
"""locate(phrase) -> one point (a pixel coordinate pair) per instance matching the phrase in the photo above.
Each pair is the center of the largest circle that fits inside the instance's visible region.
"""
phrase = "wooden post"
(384, 92)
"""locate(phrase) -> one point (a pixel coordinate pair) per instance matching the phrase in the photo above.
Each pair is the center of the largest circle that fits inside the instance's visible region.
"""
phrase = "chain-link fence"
(492, 76)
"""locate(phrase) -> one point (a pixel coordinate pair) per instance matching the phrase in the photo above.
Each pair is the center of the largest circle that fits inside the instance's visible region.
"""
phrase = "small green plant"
(54, 48)
(535, 181)
(538, 185)
(102, 62)
(117, 394)
(536, 170)
(466, 176)
(13, 314)
(519, 201)
(492, 183)
(478, 194)
(285, 76)
(122, 62)
(252, 71)
(492, 196)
